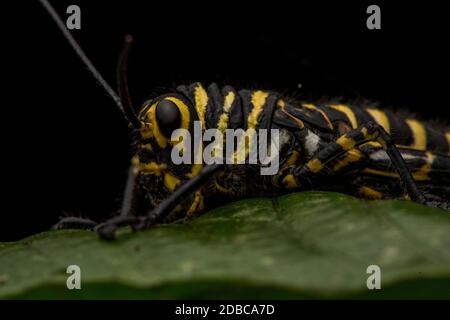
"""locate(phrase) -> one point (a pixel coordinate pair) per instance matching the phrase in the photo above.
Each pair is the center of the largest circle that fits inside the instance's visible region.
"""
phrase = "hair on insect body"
(358, 148)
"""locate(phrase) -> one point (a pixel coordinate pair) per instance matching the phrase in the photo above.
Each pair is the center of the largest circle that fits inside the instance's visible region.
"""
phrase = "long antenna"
(86, 60)
(122, 83)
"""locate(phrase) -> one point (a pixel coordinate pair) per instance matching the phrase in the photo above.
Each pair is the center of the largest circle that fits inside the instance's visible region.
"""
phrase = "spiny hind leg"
(317, 166)
(423, 165)
(430, 171)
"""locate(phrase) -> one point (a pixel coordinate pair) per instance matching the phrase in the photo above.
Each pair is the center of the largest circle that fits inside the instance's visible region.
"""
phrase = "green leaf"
(302, 245)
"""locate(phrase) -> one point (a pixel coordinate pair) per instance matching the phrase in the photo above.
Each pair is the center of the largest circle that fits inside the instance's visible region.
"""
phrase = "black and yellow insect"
(357, 149)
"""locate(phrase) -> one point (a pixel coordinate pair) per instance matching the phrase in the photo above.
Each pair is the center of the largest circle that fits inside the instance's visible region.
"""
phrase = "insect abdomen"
(406, 132)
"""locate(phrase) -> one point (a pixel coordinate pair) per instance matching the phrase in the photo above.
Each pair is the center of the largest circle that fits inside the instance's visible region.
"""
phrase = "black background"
(65, 143)
(284, 309)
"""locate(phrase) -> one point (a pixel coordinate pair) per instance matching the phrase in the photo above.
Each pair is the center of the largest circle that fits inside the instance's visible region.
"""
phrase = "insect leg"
(129, 195)
(107, 229)
(371, 131)
(74, 223)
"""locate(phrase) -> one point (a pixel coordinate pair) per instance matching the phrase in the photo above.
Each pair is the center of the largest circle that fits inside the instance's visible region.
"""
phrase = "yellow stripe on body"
(258, 100)
(373, 144)
(222, 125)
(313, 107)
(290, 182)
(171, 181)
(150, 168)
(370, 193)
(293, 158)
(197, 204)
(346, 143)
(201, 101)
(419, 134)
(153, 168)
(348, 112)
(381, 118)
(353, 155)
(196, 168)
(314, 165)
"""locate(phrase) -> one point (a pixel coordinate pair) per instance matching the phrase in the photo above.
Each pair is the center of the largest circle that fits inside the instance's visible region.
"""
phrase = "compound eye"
(168, 116)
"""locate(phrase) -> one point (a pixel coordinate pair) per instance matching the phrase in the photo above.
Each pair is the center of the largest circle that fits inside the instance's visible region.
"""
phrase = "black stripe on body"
(436, 141)
(400, 132)
(214, 106)
(362, 116)
(247, 106)
(188, 92)
(266, 116)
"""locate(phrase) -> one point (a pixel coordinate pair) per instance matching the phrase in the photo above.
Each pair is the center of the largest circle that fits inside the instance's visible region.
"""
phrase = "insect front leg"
(107, 229)
(369, 132)
(130, 196)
